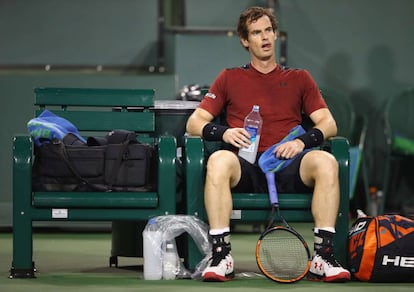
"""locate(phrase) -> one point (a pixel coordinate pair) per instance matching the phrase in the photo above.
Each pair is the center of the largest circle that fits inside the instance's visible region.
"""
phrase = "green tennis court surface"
(80, 262)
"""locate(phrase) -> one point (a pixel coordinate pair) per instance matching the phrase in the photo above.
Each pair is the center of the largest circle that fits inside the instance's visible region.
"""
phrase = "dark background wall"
(362, 48)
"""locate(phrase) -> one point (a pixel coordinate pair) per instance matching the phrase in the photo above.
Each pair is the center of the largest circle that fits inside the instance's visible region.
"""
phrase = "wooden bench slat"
(259, 200)
(95, 199)
(107, 121)
(94, 96)
(92, 214)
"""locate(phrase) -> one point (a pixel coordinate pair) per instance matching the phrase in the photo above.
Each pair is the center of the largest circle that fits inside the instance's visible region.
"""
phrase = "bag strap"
(63, 153)
(118, 162)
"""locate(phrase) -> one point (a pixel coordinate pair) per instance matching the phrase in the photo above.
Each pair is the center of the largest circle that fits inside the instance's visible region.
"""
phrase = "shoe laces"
(331, 260)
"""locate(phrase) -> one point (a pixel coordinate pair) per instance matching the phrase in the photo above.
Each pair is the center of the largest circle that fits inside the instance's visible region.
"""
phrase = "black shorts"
(253, 180)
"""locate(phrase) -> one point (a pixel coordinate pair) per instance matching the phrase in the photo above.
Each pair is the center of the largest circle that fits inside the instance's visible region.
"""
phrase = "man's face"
(261, 38)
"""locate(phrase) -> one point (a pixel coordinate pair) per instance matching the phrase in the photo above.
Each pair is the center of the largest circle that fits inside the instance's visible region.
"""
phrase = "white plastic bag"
(170, 227)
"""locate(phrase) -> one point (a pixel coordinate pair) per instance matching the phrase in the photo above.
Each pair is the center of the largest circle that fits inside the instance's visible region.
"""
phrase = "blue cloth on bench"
(268, 161)
(48, 127)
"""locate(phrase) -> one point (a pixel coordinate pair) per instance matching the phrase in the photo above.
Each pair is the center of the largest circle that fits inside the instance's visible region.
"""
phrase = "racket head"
(282, 255)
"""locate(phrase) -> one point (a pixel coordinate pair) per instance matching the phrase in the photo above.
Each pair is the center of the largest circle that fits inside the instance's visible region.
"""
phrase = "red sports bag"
(381, 249)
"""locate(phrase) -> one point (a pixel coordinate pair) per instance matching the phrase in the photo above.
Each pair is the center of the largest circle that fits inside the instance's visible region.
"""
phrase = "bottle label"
(253, 137)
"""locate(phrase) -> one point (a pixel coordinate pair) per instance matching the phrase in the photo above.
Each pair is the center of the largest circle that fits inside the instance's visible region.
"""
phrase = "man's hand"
(237, 137)
(289, 149)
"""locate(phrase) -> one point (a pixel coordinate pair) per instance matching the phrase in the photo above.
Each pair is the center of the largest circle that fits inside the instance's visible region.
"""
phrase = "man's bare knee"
(318, 164)
(223, 164)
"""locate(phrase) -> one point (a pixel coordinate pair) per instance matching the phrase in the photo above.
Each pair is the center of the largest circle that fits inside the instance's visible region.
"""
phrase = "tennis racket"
(282, 254)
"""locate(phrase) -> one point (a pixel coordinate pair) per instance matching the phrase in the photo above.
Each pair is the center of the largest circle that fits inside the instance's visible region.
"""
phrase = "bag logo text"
(398, 261)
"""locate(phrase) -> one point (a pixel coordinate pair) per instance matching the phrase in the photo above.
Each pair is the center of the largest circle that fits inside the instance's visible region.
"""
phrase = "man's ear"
(244, 42)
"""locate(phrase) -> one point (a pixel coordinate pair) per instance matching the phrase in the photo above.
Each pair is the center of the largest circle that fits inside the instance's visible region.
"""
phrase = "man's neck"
(264, 66)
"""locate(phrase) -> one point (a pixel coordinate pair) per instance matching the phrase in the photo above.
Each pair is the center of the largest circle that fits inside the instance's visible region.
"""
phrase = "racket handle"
(270, 177)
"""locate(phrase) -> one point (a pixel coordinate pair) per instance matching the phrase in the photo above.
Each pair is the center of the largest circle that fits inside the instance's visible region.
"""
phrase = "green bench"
(92, 111)
(255, 207)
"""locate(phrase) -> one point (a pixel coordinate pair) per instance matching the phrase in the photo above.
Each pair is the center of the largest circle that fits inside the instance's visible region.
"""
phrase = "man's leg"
(320, 170)
(223, 172)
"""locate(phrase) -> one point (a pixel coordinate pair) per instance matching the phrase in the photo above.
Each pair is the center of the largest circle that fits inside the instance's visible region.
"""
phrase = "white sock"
(219, 231)
(329, 229)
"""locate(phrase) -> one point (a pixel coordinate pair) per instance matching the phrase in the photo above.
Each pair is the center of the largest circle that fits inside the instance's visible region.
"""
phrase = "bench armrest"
(22, 173)
(167, 155)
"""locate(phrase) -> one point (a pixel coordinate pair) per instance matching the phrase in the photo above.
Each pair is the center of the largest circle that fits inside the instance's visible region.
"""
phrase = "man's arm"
(196, 122)
(324, 126)
(201, 119)
(324, 121)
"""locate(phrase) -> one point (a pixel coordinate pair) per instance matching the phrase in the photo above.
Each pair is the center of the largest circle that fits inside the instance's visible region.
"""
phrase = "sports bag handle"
(63, 153)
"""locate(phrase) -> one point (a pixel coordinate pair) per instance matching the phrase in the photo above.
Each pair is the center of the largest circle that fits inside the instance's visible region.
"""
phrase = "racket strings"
(282, 255)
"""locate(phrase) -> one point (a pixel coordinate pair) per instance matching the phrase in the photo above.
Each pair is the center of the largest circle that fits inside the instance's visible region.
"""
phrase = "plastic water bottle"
(380, 202)
(253, 124)
(169, 271)
(373, 203)
(152, 238)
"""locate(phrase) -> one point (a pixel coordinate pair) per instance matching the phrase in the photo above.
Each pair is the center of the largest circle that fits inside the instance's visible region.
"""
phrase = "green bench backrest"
(100, 110)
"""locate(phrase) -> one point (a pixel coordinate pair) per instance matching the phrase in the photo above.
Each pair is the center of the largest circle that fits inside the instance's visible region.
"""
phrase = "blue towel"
(268, 161)
(48, 127)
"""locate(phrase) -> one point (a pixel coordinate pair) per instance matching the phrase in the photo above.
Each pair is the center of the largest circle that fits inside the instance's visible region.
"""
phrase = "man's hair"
(251, 15)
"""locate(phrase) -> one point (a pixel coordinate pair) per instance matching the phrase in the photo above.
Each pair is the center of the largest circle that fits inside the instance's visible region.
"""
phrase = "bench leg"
(22, 265)
(342, 227)
(193, 256)
(341, 240)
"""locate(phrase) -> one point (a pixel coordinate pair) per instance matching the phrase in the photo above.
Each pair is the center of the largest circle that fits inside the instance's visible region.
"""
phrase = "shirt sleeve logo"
(211, 95)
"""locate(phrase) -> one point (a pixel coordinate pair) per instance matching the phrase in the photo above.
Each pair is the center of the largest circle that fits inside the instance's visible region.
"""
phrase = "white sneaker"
(220, 267)
(328, 270)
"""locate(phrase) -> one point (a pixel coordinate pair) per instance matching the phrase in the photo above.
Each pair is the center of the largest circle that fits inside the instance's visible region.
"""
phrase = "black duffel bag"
(104, 166)
(131, 167)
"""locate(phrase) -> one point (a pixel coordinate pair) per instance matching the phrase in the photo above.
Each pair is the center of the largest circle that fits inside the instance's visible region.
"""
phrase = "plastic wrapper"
(172, 226)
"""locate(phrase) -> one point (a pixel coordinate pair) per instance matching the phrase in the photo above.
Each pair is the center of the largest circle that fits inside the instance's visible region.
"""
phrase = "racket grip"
(270, 177)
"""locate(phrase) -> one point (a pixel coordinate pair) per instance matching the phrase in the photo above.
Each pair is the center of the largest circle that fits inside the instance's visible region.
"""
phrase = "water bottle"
(380, 202)
(373, 202)
(152, 238)
(253, 124)
(170, 262)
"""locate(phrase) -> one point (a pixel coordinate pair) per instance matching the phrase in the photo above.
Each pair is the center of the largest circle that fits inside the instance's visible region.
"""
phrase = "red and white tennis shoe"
(327, 270)
(220, 267)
